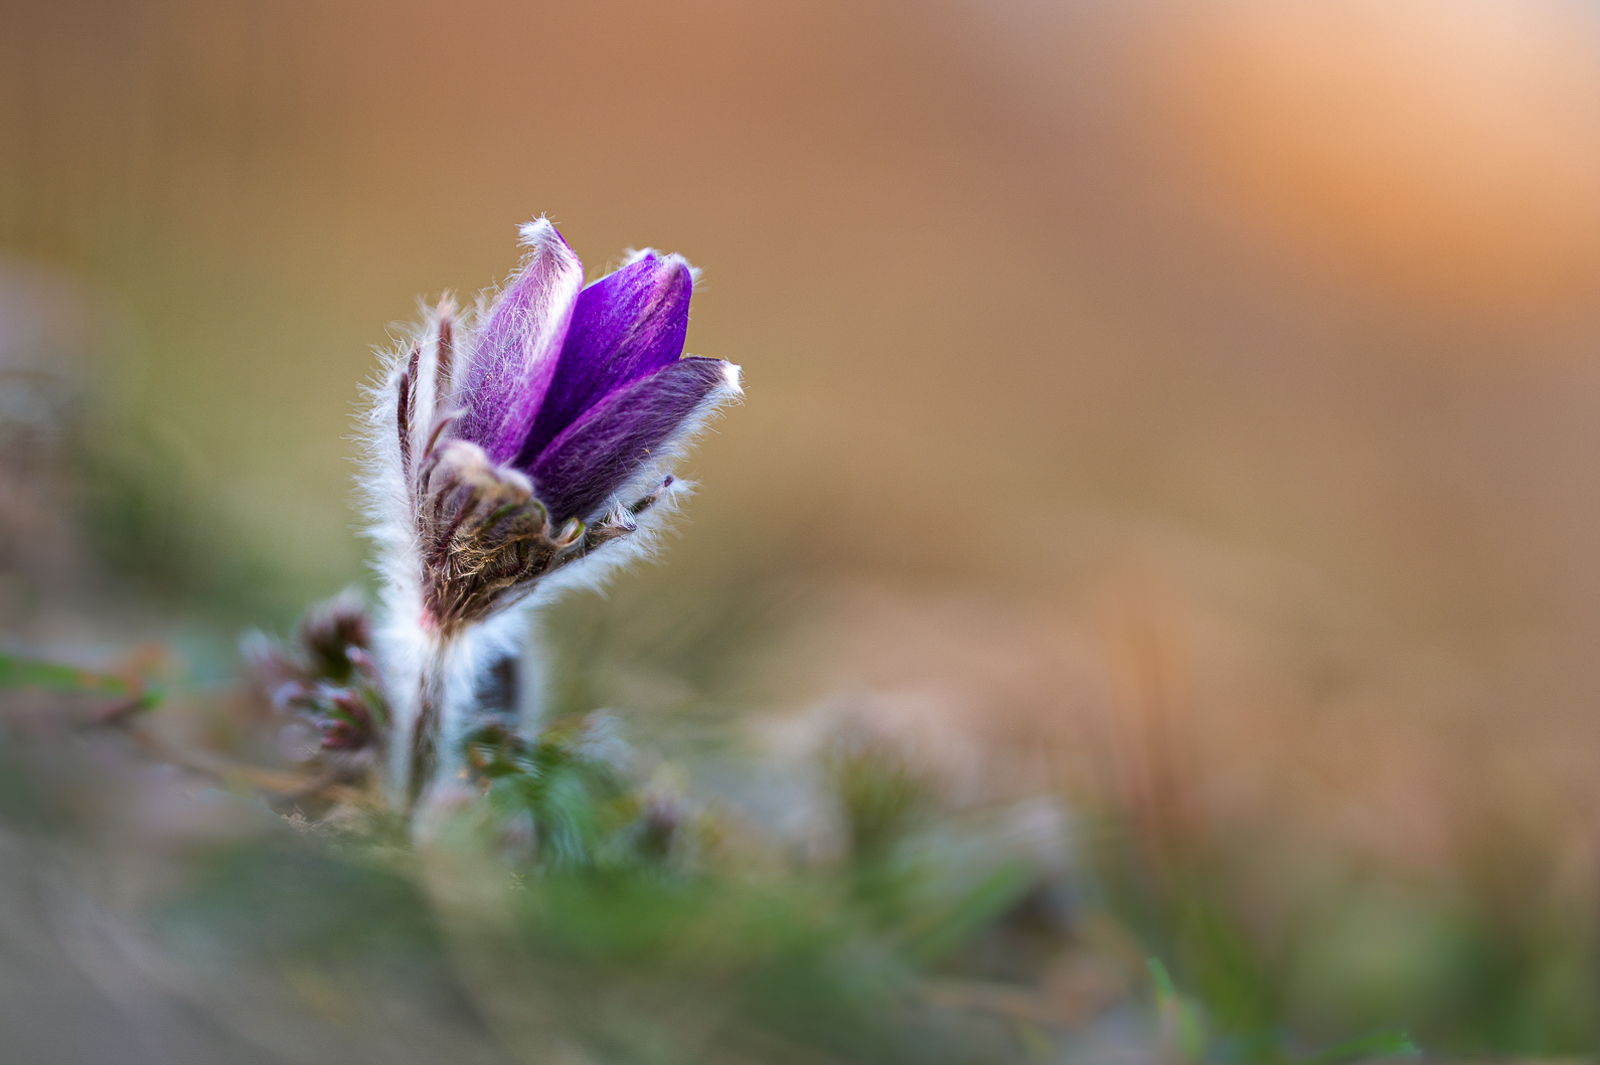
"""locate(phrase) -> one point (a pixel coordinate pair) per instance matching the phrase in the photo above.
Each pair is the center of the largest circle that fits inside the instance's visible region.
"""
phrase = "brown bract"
(486, 540)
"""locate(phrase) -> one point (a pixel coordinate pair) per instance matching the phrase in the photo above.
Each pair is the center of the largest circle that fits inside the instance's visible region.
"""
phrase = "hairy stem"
(430, 689)
(452, 682)
(422, 743)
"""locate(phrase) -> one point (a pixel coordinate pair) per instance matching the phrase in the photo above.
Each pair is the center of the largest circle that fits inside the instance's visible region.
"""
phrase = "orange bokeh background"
(1224, 371)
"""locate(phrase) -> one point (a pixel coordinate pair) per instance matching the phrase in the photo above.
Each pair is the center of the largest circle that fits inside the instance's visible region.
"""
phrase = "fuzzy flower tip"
(514, 440)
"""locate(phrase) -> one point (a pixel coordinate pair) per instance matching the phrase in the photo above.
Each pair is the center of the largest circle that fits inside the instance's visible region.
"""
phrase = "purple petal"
(601, 451)
(627, 325)
(515, 351)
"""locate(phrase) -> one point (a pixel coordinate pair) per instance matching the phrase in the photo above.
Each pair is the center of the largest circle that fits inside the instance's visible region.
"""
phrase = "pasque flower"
(516, 440)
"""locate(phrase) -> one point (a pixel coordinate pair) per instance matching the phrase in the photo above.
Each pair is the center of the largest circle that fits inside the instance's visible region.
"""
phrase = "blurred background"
(1185, 413)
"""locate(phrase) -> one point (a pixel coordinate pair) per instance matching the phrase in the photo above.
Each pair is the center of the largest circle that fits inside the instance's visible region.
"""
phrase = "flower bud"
(530, 436)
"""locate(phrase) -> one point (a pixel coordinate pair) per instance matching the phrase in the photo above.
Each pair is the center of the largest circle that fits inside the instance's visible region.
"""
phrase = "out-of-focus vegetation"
(580, 910)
